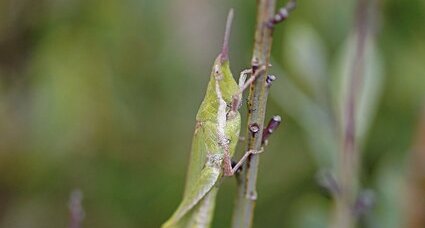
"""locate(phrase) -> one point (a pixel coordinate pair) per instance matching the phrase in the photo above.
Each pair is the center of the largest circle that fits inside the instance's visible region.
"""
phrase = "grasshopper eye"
(216, 70)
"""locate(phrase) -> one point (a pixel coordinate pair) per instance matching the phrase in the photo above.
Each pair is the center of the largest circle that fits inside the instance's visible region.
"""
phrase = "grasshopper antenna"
(225, 49)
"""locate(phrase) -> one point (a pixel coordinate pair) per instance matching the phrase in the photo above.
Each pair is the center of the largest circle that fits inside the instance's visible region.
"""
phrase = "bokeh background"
(101, 96)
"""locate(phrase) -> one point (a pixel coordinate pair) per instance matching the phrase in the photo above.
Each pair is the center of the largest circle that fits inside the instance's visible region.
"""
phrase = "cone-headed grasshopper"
(216, 134)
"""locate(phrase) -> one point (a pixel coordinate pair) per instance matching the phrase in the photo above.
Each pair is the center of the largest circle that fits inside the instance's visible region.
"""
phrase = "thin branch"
(350, 156)
(245, 200)
(271, 127)
(282, 14)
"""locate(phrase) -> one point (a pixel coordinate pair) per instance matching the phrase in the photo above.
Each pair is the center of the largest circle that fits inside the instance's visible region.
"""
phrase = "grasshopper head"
(221, 73)
(221, 68)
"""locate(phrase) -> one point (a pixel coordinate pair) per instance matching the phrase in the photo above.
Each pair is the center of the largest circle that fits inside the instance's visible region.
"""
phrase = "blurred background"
(101, 96)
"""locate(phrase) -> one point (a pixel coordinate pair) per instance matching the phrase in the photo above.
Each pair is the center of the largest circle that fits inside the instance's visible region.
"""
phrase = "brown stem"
(247, 194)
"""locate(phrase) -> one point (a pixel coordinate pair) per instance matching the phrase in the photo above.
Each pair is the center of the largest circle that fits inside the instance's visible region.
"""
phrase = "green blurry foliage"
(370, 88)
(102, 96)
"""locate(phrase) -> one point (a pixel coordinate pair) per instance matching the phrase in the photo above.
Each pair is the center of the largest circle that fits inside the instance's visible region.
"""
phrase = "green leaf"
(370, 87)
(306, 54)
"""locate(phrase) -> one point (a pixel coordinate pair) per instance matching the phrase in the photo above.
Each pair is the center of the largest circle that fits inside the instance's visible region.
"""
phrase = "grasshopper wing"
(184, 214)
(199, 195)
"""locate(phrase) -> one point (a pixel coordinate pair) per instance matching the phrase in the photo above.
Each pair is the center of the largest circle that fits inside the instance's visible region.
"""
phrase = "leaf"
(311, 116)
(370, 87)
(307, 57)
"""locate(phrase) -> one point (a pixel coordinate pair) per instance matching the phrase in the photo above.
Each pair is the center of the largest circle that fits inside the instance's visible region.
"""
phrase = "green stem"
(246, 197)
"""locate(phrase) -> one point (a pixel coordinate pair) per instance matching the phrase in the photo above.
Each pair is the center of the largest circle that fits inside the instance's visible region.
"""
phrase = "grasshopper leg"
(229, 170)
(236, 99)
(251, 79)
(243, 85)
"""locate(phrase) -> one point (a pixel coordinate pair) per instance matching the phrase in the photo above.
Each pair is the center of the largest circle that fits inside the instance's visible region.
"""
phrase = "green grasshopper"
(218, 124)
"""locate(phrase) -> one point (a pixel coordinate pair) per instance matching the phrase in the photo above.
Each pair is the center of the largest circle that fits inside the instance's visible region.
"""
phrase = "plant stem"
(76, 209)
(247, 194)
(350, 157)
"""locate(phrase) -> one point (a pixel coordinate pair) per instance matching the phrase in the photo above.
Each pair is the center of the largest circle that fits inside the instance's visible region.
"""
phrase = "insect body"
(214, 141)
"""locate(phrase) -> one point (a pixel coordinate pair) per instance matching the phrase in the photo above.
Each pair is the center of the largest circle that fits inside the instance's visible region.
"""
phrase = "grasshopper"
(218, 124)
